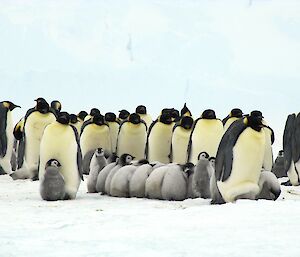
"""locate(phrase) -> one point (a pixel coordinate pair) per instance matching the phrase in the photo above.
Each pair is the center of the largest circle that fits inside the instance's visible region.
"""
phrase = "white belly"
(180, 141)
(132, 140)
(93, 137)
(206, 137)
(248, 154)
(113, 131)
(34, 129)
(268, 157)
(229, 122)
(159, 143)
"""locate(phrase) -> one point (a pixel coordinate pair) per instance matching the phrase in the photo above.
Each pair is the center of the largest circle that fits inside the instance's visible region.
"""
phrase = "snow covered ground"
(95, 225)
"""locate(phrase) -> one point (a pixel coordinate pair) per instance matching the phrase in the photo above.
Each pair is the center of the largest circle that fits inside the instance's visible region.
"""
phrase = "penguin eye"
(55, 163)
(128, 159)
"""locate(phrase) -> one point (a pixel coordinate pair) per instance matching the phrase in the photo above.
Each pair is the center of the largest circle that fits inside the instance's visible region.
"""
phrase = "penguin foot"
(287, 183)
(35, 178)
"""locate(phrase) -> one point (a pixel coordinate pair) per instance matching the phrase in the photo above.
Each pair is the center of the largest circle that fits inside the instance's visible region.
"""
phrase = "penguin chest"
(159, 143)
(94, 136)
(180, 141)
(113, 130)
(206, 137)
(132, 139)
(229, 122)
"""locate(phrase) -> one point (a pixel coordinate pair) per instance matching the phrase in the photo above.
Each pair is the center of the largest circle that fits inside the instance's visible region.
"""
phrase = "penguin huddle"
(173, 157)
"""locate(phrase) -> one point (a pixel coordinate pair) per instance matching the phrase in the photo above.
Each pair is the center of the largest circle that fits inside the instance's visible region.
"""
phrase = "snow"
(96, 225)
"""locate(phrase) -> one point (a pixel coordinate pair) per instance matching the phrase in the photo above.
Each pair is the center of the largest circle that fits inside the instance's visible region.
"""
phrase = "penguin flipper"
(21, 152)
(225, 120)
(3, 139)
(225, 150)
(288, 143)
(296, 140)
(79, 153)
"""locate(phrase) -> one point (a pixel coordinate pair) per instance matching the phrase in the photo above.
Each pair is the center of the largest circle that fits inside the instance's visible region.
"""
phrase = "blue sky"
(118, 54)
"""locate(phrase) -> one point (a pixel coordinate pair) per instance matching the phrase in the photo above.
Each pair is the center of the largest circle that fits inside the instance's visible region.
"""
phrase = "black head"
(141, 109)
(94, 111)
(134, 118)
(165, 118)
(98, 119)
(236, 112)
(99, 152)
(41, 105)
(73, 118)
(113, 157)
(56, 105)
(125, 159)
(9, 105)
(63, 118)
(185, 111)
(187, 122)
(143, 161)
(110, 117)
(254, 120)
(188, 168)
(124, 114)
(203, 156)
(209, 114)
(281, 153)
(53, 163)
(212, 161)
(81, 115)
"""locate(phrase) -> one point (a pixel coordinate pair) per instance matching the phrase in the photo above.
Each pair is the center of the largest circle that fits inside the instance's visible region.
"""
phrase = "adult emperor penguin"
(123, 115)
(180, 140)
(119, 186)
(159, 139)
(114, 125)
(98, 162)
(94, 134)
(125, 159)
(56, 106)
(132, 137)
(206, 136)
(278, 167)
(289, 148)
(234, 115)
(6, 135)
(60, 142)
(142, 111)
(239, 161)
(36, 120)
(52, 187)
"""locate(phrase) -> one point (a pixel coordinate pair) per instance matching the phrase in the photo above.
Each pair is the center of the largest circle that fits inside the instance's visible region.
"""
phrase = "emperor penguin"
(56, 106)
(269, 186)
(93, 112)
(185, 111)
(234, 115)
(175, 182)
(138, 180)
(123, 115)
(202, 174)
(239, 161)
(94, 134)
(36, 120)
(289, 148)
(132, 137)
(205, 136)
(6, 135)
(52, 187)
(278, 167)
(60, 142)
(173, 113)
(80, 118)
(159, 139)
(142, 111)
(114, 125)
(125, 159)
(98, 162)
(119, 186)
(180, 140)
